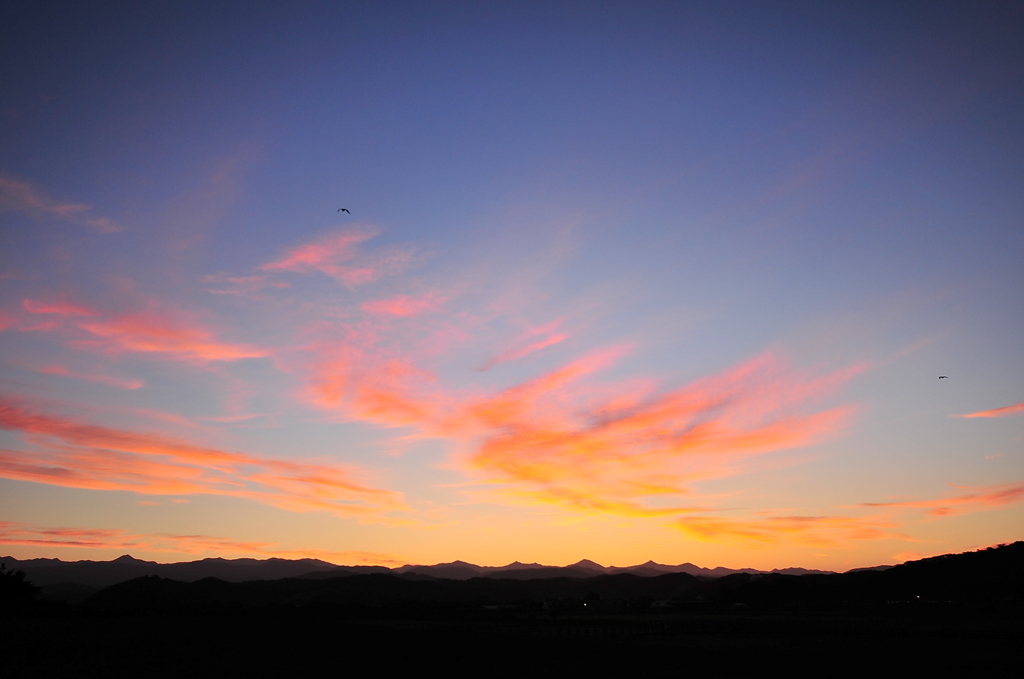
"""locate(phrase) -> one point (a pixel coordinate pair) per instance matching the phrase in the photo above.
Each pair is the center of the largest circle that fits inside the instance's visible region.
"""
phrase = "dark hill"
(105, 573)
(990, 575)
(376, 590)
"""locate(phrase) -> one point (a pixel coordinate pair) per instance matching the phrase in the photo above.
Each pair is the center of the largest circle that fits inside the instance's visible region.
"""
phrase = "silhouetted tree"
(15, 590)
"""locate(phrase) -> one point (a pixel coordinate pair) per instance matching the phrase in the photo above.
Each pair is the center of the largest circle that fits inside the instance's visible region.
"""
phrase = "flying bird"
(341, 209)
(943, 377)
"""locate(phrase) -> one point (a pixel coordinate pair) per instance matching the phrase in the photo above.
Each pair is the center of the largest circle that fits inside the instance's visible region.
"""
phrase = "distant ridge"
(46, 572)
(51, 572)
(76, 581)
(988, 577)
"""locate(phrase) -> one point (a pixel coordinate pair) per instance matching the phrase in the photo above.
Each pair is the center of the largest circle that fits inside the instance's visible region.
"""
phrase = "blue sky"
(569, 224)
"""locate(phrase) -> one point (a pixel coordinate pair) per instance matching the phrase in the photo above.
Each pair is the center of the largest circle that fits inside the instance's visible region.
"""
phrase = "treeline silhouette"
(16, 592)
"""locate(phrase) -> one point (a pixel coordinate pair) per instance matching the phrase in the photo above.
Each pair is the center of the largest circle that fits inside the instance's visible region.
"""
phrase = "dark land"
(951, 615)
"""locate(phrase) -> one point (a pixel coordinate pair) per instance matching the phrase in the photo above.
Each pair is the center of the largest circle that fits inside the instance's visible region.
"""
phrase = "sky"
(616, 281)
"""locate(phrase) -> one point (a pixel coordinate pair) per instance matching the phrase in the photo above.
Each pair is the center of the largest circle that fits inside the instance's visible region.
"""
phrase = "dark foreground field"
(954, 615)
(940, 643)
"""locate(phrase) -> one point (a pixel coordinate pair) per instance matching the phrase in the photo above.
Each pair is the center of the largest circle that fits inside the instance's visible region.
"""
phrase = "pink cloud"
(552, 443)
(59, 308)
(79, 455)
(243, 286)
(154, 330)
(103, 225)
(19, 196)
(526, 344)
(567, 439)
(157, 333)
(403, 306)
(56, 369)
(1015, 409)
(338, 256)
(980, 499)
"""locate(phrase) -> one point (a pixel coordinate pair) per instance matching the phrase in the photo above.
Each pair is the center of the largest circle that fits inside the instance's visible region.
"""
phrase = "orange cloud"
(57, 369)
(150, 331)
(566, 437)
(981, 499)
(84, 538)
(545, 438)
(810, 530)
(997, 412)
(73, 454)
(525, 344)
(562, 439)
(338, 256)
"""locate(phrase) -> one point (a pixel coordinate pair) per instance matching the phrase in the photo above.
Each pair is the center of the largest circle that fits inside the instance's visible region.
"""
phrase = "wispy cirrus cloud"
(979, 499)
(154, 329)
(242, 286)
(339, 256)
(565, 438)
(1015, 409)
(547, 438)
(20, 196)
(528, 342)
(60, 308)
(62, 371)
(12, 533)
(79, 455)
(404, 306)
(7, 321)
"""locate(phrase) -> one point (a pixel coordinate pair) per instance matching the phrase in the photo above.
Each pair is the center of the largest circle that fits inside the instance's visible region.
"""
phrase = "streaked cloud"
(151, 330)
(242, 286)
(552, 440)
(528, 342)
(60, 308)
(20, 196)
(338, 255)
(69, 453)
(979, 499)
(60, 370)
(569, 439)
(156, 333)
(12, 533)
(1015, 409)
(809, 530)
(404, 306)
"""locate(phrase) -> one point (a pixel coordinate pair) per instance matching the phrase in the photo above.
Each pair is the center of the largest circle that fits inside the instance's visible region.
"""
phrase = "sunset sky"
(619, 281)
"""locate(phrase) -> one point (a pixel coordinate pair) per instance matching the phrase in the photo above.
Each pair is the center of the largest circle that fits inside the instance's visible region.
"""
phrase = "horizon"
(445, 563)
(391, 284)
(499, 566)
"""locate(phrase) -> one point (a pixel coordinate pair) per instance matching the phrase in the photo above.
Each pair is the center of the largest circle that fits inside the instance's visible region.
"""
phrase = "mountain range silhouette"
(98, 574)
(127, 582)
